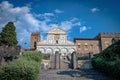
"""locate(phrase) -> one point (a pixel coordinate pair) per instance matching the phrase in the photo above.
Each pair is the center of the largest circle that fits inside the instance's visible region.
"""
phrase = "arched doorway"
(64, 51)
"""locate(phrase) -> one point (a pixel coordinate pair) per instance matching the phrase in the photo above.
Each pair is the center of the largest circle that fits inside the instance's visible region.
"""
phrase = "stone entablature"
(47, 42)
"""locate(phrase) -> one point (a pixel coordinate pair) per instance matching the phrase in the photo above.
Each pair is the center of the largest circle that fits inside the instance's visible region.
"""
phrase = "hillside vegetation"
(26, 67)
(108, 61)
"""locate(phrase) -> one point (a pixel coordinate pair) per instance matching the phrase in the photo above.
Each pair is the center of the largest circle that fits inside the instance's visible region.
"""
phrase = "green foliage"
(32, 55)
(108, 61)
(46, 57)
(8, 35)
(26, 67)
(83, 58)
(1, 71)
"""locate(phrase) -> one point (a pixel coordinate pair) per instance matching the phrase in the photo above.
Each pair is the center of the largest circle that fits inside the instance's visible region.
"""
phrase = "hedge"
(26, 67)
(108, 61)
(83, 58)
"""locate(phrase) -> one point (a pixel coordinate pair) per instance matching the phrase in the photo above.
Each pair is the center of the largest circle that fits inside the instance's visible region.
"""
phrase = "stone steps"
(64, 64)
(71, 75)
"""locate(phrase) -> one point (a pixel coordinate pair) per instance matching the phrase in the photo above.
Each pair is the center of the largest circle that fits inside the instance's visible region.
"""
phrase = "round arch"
(64, 51)
(71, 50)
(49, 51)
(42, 50)
(57, 49)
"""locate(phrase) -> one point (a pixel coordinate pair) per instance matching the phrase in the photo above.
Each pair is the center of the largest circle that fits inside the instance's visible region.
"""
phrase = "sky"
(80, 18)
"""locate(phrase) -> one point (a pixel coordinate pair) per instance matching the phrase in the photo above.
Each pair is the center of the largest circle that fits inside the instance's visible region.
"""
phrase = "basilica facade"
(56, 40)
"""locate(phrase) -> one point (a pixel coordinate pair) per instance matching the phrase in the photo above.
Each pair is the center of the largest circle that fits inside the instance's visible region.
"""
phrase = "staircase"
(64, 64)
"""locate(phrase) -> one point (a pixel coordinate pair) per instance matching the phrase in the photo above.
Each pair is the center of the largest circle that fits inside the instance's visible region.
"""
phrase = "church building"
(56, 41)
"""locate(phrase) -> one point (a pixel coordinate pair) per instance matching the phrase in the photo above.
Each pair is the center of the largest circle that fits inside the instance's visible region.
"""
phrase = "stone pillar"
(57, 60)
(52, 61)
(74, 60)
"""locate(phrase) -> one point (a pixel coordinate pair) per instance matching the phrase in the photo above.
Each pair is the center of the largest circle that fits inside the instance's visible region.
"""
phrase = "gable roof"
(56, 30)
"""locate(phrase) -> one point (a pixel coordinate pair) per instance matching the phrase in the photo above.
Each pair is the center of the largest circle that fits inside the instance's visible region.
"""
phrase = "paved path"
(70, 74)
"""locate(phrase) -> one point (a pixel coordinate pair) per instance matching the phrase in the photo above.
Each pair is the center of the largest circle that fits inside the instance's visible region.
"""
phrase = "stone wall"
(84, 46)
(97, 44)
(84, 64)
(9, 53)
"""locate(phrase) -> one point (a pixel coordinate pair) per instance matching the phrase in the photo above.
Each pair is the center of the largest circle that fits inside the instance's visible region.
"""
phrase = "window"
(56, 36)
(56, 41)
(113, 41)
(98, 47)
(86, 46)
(78, 46)
(106, 43)
(91, 47)
(35, 45)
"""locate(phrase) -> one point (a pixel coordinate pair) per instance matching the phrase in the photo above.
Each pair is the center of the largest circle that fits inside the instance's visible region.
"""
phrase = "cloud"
(93, 10)
(74, 19)
(58, 11)
(26, 22)
(67, 25)
(83, 28)
(45, 15)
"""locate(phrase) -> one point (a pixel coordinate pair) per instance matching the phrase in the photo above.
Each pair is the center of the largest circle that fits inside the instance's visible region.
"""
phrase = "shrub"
(26, 67)
(1, 71)
(32, 55)
(83, 58)
(46, 57)
(108, 61)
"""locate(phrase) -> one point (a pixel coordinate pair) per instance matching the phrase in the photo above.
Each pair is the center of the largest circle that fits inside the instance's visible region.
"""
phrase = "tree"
(8, 35)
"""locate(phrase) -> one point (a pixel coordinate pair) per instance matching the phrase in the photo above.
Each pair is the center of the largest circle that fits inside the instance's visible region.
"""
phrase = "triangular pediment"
(56, 30)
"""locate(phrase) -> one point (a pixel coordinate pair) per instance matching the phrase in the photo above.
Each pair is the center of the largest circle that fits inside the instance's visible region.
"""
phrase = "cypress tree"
(8, 35)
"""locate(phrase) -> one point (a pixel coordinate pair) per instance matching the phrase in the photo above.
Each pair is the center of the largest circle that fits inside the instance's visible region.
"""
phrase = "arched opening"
(71, 50)
(64, 51)
(113, 41)
(35, 45)
(42, 50)
(49, 51)
(57, 49)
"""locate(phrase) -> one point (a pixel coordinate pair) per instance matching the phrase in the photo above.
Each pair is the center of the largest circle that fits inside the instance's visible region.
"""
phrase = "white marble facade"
(56, 41)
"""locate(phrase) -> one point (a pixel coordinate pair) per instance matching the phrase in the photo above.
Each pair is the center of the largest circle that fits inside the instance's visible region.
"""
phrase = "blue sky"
(80, 18)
